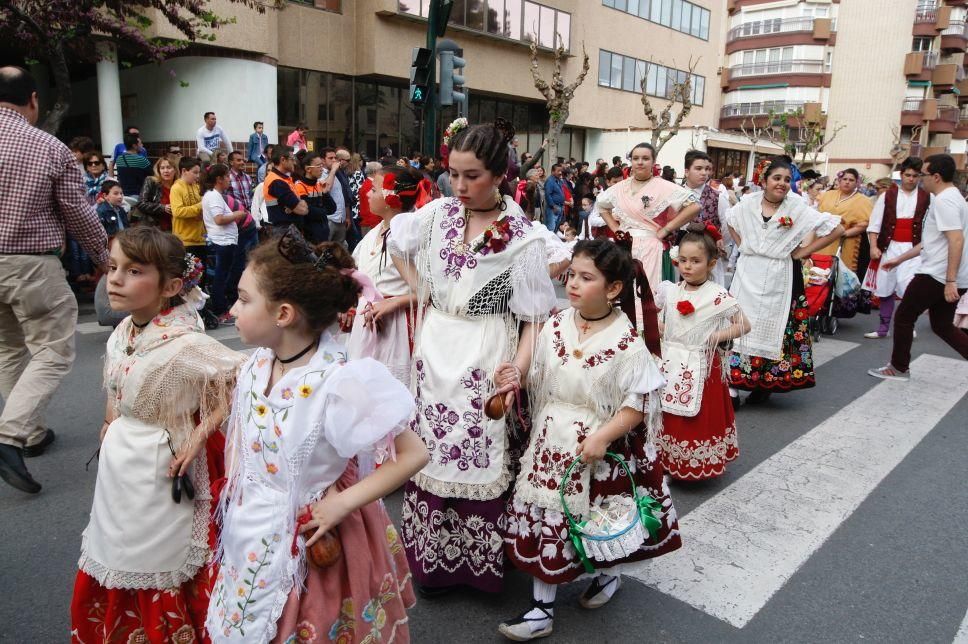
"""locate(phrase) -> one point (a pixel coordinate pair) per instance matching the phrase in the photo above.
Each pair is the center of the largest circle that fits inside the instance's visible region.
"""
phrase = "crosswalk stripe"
(828, 349)
(742, 545)
(961, 637)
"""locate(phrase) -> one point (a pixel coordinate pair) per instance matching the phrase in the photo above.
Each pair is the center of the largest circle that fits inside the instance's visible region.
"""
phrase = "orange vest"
(271, 178)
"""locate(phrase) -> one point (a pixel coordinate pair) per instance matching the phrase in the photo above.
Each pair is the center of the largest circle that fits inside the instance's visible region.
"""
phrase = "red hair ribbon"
(392, 193)
(714, 232)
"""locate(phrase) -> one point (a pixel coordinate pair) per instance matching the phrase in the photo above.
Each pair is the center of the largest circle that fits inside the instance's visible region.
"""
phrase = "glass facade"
(626, 73)
(520, 20)
(366, 115)
(681, 15)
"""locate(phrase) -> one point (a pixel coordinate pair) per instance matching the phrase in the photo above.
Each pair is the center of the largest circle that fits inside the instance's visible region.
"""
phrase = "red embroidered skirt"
(698, 447)
(100, 614)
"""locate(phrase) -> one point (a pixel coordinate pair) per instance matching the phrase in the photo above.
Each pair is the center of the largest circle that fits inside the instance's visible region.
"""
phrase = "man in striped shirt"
(41, 198)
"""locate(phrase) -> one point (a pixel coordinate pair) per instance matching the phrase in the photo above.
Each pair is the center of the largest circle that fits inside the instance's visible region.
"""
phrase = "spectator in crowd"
(297, 139)
(121, 147)
(356, 176)
(240, 183)
(554, 198)
(443, 184)
(154, 203)
(279, 192)
(132, 168)
(211, 138)
(110, 209)
(239, 196)
(43, 198)
(943, 276)
(255, 149)
(367, 218)
(187, 223)
(669, 173)
(260, 174)
(321, 206)
(94, 174)
(533, 203)
(337, 186)
(80, 146)
(222, 230)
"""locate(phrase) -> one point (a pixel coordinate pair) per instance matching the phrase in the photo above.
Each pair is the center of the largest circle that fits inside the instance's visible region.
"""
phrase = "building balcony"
(918, 65)
(793, 73)
(935, 149)
(945, 78)
(961, 130)
(955, 37)
(763, 34)
(963, 91)
(947, 121)
(928, 21)
(915, 111)
(733, 117)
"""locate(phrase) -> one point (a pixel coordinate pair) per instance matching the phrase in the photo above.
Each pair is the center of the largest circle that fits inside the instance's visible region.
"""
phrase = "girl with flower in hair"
(144, 573)
(698, 317)
(481, 268)
(774, 231)
(382, 327)
(307, 551)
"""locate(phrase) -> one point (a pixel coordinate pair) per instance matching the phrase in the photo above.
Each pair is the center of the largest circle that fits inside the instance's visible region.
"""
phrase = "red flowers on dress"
(685, 307)
(785, 221)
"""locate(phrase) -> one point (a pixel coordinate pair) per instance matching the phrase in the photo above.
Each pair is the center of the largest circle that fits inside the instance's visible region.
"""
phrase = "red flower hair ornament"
(685, 307)
(392, 192)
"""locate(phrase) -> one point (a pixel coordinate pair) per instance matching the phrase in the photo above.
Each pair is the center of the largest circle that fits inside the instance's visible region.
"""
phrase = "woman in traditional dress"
(698, 425)
(596, 387)
(484, 270)
(854, 209)
(144, 554)
(382, 327)
(308, 552)
(649, 208)
(769, 228)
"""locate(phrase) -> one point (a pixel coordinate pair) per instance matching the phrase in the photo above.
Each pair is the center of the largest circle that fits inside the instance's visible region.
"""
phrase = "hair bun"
(505, 128)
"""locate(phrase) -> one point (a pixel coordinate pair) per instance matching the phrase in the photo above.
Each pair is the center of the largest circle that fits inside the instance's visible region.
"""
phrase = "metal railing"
(777, 67)
(913, 105)
(963, 113)
(759, 109)
(926, 16)
(956, 28)
(948, 113)
(774, 26)
(931, 59)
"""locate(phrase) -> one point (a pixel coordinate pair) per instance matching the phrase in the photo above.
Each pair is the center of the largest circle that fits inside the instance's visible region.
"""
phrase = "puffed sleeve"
(555, 248)
(364, 405)
(825, 223)
(532, 293)
(643, 378)
(405, 232)
(681, 198)
(662, 294)
(606, 199)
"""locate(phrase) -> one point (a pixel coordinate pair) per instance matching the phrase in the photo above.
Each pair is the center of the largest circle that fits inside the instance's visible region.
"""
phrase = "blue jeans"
(552, 220)
(225, 273)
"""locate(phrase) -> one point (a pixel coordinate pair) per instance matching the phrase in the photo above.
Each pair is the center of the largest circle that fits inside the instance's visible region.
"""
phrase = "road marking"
(828, 349)
(961, 637)
(742, 545)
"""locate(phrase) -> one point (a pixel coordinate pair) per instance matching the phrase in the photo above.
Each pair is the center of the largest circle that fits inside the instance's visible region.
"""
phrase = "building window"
(627, 73)
(327, 5)
(520, 20)
(922, 43)
(681, 15)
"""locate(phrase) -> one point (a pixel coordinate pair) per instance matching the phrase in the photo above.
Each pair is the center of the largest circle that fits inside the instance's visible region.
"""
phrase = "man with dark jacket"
(309, 188)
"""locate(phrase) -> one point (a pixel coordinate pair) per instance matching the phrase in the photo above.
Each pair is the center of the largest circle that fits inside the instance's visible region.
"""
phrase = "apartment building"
(342, 67)
(890, 72)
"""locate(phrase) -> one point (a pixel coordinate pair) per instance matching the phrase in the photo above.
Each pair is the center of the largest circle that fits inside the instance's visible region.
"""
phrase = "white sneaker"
(914, 335)
(888, 372)
(874, 335)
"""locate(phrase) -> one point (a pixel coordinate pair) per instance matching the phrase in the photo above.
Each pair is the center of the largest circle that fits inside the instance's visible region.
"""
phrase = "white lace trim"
(198, 556)
(470, 491)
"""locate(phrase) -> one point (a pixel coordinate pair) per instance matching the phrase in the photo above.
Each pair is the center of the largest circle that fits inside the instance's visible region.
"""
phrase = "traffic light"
(420, 72)
(452, 81)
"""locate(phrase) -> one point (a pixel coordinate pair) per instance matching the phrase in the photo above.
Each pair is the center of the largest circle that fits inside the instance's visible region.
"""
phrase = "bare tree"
(801, 139)
(900, 151)
(558, 95)
(666, 125)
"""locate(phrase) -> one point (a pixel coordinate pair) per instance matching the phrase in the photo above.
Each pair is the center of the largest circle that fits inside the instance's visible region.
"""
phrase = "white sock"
(545, 593)
(733, 393)
(607, 584)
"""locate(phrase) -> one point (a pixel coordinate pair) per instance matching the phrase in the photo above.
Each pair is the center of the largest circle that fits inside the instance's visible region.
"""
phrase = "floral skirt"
(537, 540)
(453, 542)
(364, 596)
(794, 369)
(100, 614)
(698, 447)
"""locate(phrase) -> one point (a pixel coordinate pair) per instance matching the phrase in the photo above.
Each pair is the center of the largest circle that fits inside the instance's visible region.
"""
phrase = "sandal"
(519, 629)
(593, 597)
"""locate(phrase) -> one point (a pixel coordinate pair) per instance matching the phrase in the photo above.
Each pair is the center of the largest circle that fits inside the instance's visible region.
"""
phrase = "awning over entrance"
(739, 142)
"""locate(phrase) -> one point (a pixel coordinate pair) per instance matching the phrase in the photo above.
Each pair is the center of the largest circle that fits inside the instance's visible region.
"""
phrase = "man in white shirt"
(943, 276)
(211, 138)
(713, 204)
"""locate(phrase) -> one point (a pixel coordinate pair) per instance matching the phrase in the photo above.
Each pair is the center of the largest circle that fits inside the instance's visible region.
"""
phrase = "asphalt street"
(883, 560)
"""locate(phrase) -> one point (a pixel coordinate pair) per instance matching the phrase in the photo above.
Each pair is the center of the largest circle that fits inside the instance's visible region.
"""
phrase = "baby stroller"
(820, 295)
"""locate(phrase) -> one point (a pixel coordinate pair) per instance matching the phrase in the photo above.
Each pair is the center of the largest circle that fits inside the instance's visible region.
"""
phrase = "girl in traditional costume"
(482, 270)
(854, 209)
(307, 550)
(144, 573)
(382, 328)
(698, 425)
(595, 387)
(770, 229)
(649, 208)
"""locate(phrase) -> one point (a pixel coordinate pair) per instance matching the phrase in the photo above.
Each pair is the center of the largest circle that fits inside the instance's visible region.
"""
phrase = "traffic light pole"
(430, 105)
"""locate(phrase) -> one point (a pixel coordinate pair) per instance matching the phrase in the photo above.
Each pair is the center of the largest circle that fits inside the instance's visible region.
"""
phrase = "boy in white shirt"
(222, 231)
